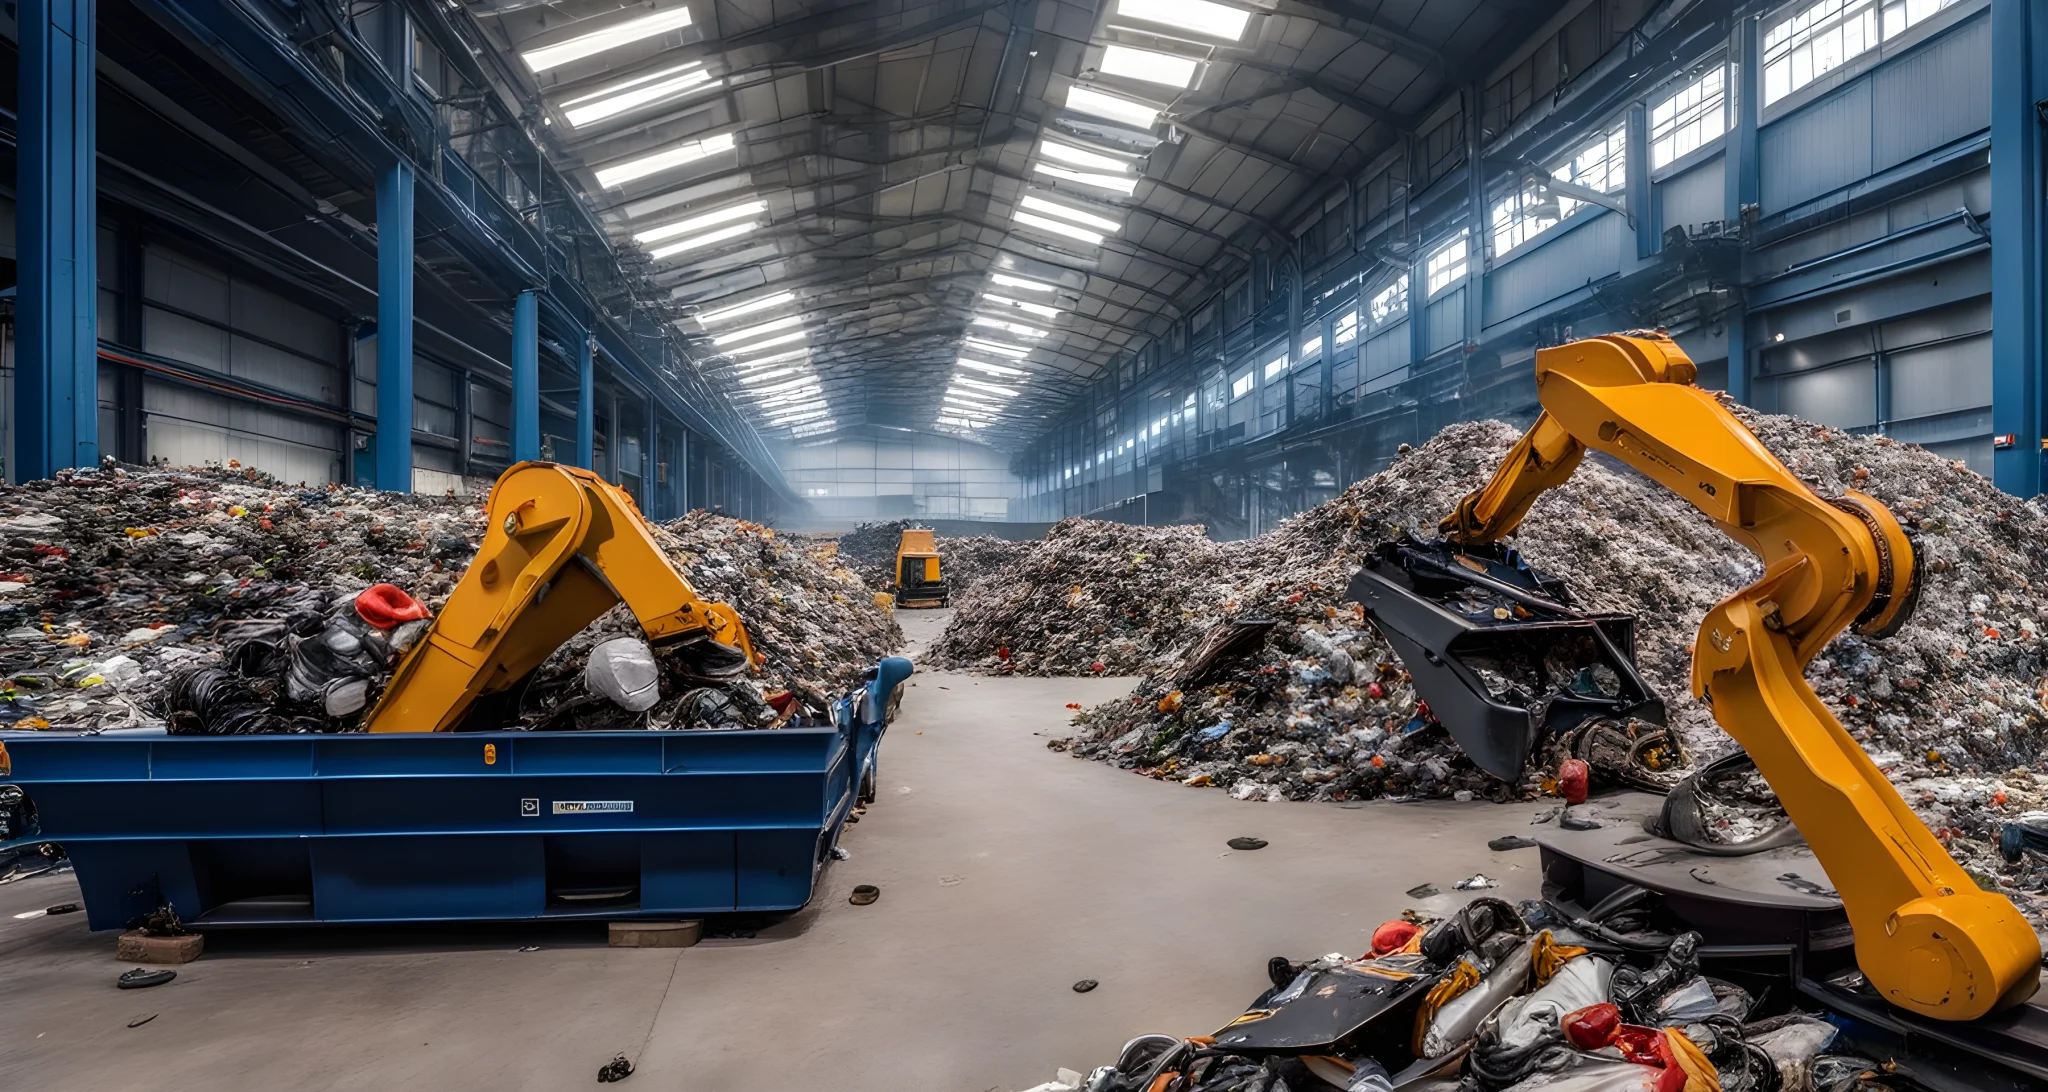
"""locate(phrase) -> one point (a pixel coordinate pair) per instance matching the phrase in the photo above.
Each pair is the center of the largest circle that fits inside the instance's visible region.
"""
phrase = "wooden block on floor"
(136, 947)
(656, 934)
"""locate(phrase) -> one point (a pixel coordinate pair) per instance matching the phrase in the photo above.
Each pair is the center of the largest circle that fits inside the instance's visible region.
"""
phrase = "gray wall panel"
(1561, 263)
(1933, 95)
(1695, 197)
(1815, 150)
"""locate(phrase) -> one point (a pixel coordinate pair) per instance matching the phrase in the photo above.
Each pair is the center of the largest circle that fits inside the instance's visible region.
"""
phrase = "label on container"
(576, 807)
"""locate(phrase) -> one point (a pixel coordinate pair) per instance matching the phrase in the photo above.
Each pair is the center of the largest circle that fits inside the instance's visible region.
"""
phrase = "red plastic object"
(1592, 1027)
(1574, 777)
(388, 605)
(1393, 936)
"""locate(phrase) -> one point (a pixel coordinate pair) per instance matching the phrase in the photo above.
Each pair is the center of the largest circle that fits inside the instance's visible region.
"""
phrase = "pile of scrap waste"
(1508, 998)
(964, 560)
(1313, 704)
(223, 601)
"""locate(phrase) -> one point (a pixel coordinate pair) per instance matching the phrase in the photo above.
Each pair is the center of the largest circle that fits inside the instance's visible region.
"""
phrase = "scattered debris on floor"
(146, 596)
(863, 894)
(141, 978)
(139, 1021)
(1085, 985)
(1951, 707)
(1246, 843)
(1505, 998)
(618, 1069)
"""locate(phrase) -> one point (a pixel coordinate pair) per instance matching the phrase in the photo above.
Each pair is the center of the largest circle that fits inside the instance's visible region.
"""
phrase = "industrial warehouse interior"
(1024, 545)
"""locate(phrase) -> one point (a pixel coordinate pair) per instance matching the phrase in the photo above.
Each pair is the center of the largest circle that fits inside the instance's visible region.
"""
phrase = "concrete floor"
(1007, 871)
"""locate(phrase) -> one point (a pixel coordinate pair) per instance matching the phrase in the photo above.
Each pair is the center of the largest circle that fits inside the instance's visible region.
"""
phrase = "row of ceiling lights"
(1011, 307)
(783, 385)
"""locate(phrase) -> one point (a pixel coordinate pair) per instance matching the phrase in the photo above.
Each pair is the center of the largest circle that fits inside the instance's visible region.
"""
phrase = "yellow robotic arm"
(1926, 936)
(561, 546)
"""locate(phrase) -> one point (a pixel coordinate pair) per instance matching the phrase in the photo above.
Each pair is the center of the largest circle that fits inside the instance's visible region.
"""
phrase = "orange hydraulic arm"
(1926, 936)
(561, 546)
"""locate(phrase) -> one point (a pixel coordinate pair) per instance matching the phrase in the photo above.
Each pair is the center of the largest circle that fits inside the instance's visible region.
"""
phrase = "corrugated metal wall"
(1563, 261)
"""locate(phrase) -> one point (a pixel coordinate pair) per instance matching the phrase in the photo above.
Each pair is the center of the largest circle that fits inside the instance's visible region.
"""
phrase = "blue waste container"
(252, 830)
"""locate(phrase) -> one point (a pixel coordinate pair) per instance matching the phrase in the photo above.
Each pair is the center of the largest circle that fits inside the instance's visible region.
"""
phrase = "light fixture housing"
(1040, 309)
(1015, 352)
(1123, 185)
(1083, 217)
(752, 332)
(1055, 227)
(991, 369)
(1008, 281)
(782, 339)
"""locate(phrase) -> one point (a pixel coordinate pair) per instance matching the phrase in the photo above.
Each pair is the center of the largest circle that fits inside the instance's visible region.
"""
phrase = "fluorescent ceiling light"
(689, 151)
(1017, 328)
(1008, 281)
(992, 369)
(815, 428)
(702, 221)
(669, 83)
(752, 332)
(1087, 100)
(1081, 157)
(979, 407)
(1022, 305)
(763, 377)
(1199, 16)
(960, 423)
(1144, 64)
(986, 401)
(1069, 212)
(725, 314)
(978, 385)
(1013, 351)
(1123, 184)
(778, 358)
(782, 339)
(1092, 238)
(694, 242)
(611, 37)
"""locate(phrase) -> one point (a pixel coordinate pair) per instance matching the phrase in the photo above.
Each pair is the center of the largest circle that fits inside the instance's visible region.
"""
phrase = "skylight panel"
(1008, 281)
(1087, 100)
(1068, 212)
(978, 385)
(662, 86)
(992, 369)
(778, 358)
(784, 339)
(676, 155)
(1081, 157)
(701, 221)
(1047, 224)
(763, 377)
(1121, 184)
(1031, 332)
(726, 314)
(1039, 309)
(707, 239)
(752, 332)
(1199, 16)
(611, 37)
(1016, 352)
(1143, 64)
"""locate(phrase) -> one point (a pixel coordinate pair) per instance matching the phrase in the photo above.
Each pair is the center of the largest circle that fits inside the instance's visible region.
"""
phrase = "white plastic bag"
(1580, 982)
(623, 670)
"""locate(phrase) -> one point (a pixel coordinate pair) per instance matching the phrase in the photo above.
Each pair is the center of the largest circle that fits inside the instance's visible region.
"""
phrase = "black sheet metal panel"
(1451, 612)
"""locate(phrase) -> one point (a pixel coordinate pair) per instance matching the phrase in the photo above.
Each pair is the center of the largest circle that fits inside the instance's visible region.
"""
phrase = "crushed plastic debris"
(125, 587)
(1504, 998)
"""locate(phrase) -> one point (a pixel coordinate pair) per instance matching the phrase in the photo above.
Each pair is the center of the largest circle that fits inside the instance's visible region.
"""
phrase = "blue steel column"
(586, 411)
(1640, 199)
(2019, 78)
(394, 328)
(526, 377)
(56, 385)
(1740, 170)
